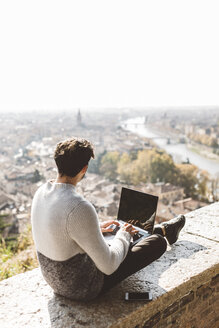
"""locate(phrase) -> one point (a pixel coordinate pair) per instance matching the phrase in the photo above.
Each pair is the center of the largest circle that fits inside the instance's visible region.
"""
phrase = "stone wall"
(184, 284)
(198, 308)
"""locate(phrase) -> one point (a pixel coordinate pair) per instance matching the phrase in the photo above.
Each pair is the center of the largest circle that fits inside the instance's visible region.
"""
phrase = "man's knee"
(161, 243)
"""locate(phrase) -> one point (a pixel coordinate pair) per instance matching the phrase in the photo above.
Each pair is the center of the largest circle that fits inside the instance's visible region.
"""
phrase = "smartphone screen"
(146, 296)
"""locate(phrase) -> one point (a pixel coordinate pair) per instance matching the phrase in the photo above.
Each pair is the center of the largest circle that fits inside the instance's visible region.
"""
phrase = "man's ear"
(84, 170)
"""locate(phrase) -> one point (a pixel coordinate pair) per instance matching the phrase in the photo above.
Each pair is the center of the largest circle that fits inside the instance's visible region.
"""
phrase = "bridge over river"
(179, 151)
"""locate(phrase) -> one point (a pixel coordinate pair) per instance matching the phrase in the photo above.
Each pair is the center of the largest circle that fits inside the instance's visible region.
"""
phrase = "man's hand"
(104, 225)
(129, 228)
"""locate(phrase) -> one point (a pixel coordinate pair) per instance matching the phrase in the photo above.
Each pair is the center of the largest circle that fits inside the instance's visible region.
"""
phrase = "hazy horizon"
(112, 109)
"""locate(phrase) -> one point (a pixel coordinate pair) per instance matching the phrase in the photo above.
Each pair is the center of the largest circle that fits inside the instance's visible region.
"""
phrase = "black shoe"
(173, 228)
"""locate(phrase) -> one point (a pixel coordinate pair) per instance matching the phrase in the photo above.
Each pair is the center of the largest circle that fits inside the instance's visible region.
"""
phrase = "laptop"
(138, 209)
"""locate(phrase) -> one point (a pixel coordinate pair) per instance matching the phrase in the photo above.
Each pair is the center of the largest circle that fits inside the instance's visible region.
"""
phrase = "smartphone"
(146, 296)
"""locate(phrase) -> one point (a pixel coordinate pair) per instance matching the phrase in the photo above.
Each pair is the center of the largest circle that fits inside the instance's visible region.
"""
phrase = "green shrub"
(14, 258)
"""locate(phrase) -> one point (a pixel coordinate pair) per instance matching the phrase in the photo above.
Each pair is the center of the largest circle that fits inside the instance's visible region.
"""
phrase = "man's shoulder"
(84, 203)
(40, 189)
(83, 207)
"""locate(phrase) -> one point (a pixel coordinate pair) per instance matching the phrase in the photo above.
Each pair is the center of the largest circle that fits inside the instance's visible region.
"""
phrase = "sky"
(94, 54)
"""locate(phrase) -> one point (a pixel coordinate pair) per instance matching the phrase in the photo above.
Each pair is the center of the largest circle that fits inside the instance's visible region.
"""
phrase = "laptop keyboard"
(116, 229)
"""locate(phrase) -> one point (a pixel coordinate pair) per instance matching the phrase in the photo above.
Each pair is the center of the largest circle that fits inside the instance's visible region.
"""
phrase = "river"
(180, 152)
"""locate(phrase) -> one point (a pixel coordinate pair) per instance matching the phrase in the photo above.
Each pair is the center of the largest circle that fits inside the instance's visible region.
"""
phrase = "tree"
(150, 165)
(214, 188)
(134, 171)
(36, 176)
(202, 187)
(187, 178)
(214, 143)
(162, 167)
(108, 166)
(154, 165)
(94, 164)
(124, 168)
(141, 167)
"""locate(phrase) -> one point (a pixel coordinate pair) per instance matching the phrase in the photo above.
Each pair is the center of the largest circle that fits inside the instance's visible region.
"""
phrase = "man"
(74, 257)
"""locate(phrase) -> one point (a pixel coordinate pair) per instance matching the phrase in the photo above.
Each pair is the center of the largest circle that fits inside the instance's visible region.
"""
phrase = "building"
(166, 192)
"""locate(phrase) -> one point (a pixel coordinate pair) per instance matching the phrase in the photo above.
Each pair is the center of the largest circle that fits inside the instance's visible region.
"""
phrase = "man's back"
(52, 204)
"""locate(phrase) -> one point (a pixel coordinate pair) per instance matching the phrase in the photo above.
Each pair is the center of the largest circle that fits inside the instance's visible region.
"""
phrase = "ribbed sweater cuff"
(124, 234)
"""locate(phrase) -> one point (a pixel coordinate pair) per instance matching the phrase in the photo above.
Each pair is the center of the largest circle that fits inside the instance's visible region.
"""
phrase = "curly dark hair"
(72, 155)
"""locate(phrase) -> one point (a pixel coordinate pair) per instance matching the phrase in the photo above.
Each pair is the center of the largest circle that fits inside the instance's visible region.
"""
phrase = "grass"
(17, 255)
(3, 225)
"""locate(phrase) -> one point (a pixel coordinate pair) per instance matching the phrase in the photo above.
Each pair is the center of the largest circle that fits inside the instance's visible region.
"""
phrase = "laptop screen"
(138, 208)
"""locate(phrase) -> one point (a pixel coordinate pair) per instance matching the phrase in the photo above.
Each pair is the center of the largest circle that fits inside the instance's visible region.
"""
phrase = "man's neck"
(66, 179)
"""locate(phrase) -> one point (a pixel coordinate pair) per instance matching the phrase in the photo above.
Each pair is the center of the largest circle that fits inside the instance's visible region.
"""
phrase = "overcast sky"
(67, 54)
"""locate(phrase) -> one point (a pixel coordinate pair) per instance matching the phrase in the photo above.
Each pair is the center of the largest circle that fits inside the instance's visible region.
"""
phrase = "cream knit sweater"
(64, 224)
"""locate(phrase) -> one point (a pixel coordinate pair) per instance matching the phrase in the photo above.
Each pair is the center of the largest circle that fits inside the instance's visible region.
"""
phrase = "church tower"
(79, 119)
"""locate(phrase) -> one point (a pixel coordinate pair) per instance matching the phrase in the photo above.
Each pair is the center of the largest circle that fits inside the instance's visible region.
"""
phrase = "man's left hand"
(104, 225)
